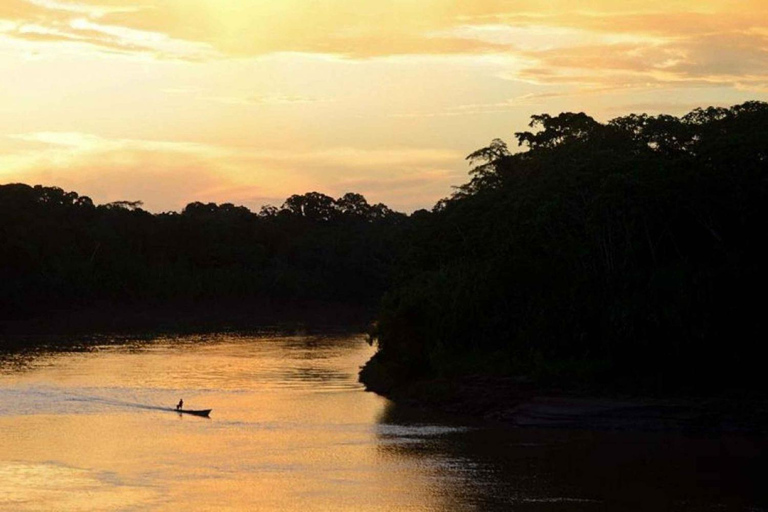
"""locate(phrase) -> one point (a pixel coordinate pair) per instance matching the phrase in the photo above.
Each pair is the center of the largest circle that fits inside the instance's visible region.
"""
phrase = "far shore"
(185, 317)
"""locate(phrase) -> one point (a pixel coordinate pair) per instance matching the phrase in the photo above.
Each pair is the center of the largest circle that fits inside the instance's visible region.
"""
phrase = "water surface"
(291, 429)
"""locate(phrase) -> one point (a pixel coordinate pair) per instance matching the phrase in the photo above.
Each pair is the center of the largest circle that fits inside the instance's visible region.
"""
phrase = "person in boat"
(180, 404)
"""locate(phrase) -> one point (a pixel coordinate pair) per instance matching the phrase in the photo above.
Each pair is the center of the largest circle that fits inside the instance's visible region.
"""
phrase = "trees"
(312, 206)
(564, 128)
(58, 250)
(632, 246)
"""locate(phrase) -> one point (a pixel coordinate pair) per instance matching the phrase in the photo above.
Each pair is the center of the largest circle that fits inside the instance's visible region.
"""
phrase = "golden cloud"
(598, 42)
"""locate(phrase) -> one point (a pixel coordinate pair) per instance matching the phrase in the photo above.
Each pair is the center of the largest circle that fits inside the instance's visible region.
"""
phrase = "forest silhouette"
(629, 254)
(59, 250)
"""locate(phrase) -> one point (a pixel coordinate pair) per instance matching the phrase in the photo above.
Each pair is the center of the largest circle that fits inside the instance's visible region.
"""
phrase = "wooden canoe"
(202, 412)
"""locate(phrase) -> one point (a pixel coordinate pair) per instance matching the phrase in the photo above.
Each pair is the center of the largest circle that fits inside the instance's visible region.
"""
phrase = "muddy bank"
(521, 403)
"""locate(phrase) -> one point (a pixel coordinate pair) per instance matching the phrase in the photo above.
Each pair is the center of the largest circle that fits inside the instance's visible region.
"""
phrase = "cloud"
(274, 99)
(595, 42)
(81, 8)
(199, 29)
(702, 60)
(651, 45)
(48, 21)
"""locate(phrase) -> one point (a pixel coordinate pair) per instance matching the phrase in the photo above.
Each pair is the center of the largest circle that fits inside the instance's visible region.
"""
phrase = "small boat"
(202, 412)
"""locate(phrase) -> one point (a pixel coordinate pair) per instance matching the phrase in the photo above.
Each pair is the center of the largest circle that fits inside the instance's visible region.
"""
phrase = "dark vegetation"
(628, 254)
(58, 251)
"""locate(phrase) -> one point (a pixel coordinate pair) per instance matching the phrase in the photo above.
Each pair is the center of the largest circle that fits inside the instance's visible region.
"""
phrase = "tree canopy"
(630, 250)
(58, 249)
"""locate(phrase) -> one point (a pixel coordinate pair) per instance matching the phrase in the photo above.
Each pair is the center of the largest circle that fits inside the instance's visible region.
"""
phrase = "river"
(82, 428)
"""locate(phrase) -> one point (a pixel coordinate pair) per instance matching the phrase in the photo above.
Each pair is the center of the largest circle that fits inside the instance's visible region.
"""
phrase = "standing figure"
(180, 405)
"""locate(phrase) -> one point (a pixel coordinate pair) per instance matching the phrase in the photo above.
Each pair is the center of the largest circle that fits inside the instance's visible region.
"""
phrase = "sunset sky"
(249, 101)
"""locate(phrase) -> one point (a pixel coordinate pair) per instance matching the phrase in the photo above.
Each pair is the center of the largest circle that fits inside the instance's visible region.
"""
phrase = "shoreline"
(519, 403)
(184, 317)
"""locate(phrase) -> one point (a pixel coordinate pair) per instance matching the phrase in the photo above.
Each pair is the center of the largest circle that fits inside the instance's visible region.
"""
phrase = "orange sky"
(249, 101)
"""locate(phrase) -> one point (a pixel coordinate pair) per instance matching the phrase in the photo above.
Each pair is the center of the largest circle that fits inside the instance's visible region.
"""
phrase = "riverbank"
(184, 317)
(520, 402)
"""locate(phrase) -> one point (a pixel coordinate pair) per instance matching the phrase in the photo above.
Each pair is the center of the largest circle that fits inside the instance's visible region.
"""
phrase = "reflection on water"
(498, 468)
(291, 429)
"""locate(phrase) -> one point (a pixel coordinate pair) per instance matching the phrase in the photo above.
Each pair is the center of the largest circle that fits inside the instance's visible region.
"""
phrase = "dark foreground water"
(291, 429)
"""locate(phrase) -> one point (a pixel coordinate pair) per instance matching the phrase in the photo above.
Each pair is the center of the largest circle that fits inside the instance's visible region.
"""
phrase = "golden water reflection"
(291, 429)
(87, 428)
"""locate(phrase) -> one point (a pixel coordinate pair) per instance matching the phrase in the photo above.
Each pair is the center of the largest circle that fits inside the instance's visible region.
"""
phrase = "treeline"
(630, 253)
(58, 250)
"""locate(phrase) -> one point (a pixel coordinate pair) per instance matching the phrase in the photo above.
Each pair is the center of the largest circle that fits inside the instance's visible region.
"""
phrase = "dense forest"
(627, 253)
(58, 250)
